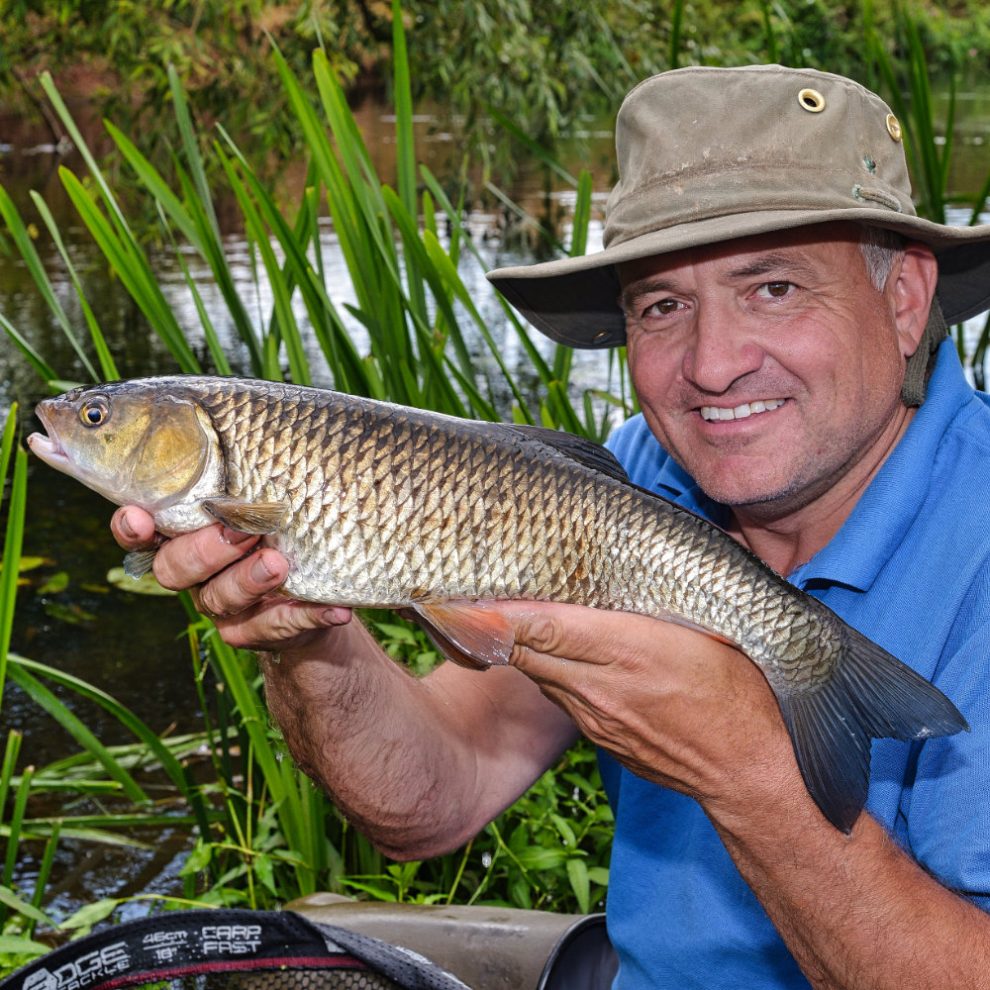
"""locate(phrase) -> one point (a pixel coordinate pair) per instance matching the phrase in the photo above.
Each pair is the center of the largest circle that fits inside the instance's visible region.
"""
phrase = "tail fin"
(870, 694)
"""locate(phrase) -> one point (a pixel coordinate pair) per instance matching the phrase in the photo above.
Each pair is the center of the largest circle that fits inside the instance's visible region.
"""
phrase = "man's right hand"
(232, 581)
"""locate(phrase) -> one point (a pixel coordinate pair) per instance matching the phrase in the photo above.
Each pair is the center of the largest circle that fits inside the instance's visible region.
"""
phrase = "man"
(765, 267)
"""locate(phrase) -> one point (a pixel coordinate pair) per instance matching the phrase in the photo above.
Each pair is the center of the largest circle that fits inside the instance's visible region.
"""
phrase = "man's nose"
(722, 349)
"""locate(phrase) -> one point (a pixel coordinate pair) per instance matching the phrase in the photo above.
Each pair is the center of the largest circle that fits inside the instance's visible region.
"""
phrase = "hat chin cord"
(920, 364)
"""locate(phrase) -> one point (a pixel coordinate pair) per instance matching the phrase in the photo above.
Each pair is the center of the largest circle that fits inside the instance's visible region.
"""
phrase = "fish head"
(129, 441)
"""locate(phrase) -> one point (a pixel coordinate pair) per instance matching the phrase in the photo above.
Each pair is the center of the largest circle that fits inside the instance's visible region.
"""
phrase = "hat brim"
(575, 300)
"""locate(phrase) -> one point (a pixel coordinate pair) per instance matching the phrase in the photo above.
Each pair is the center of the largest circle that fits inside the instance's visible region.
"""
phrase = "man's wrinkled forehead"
(776, 253)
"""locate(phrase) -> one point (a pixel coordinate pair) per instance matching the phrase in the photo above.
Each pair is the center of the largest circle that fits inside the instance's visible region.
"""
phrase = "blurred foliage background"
(540, 64)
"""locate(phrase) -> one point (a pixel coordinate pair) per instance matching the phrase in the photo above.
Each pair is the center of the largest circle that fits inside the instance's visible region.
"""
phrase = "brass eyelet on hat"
(811, 100)
(893, 127)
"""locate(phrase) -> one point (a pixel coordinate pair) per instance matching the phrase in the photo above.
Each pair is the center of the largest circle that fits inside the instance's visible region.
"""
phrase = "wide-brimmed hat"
(710, 154)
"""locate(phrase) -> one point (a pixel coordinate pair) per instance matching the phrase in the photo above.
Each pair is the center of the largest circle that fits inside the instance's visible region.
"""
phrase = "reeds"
(412, 302)
(264, 833)
(929, 141)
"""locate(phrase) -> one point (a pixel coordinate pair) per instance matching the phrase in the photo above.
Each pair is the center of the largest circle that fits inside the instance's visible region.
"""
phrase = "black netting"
(224, 950)
(283, 979)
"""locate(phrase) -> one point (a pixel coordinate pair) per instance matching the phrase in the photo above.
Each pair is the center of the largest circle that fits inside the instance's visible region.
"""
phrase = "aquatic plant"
(264, 833)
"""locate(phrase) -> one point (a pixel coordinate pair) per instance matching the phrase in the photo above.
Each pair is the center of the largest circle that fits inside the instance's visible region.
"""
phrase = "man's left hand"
(671, 703)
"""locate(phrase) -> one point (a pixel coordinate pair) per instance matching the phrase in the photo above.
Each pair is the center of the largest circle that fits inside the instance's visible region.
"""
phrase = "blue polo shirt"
(910, 568)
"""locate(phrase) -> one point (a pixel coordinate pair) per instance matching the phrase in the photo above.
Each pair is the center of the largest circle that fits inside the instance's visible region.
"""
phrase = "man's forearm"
(419, 766)
(352, 725)
(855, 910)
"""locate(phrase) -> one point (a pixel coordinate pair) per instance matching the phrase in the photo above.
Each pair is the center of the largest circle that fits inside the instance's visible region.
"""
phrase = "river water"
(68, 614)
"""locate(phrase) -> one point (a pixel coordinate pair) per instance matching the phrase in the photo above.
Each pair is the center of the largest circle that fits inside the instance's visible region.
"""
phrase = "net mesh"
(283, 979)
(230, 950)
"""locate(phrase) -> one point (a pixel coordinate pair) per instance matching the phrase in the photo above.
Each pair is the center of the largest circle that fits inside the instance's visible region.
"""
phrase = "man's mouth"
(713, 414)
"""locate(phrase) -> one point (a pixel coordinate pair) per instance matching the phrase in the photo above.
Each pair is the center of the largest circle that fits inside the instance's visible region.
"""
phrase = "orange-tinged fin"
(870, 694)
(469, 633)
(247, 517)
(139, 562)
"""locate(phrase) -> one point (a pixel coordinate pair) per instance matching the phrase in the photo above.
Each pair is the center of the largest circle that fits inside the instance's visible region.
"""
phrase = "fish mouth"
(745, 410)
(47, 445)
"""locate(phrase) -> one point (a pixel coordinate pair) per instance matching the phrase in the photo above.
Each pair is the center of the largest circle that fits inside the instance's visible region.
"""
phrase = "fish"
(384, 506)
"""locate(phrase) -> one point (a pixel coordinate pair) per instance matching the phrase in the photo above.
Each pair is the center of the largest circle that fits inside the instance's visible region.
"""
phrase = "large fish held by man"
(381, 505)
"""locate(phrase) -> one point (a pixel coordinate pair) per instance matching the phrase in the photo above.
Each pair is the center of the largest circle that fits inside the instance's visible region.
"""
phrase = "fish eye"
(94, 413)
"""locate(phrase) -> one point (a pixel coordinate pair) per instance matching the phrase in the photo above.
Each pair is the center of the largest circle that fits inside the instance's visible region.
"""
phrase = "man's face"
(770, 366)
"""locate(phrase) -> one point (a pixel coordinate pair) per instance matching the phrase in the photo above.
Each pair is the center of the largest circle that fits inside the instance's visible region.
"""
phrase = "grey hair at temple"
(881, 248)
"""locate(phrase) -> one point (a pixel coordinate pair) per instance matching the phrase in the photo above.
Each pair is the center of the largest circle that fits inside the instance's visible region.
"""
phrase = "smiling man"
(770, 368)
(783, 310)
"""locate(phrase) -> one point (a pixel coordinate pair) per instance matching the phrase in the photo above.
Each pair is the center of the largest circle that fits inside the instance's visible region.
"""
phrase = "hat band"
(686, 198)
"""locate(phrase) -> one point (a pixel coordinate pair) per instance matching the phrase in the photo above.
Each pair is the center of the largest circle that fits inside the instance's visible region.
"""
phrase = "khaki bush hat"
(710, 154)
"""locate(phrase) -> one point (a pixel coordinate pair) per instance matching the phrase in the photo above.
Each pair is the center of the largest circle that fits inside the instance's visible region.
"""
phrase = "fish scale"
(379, 505)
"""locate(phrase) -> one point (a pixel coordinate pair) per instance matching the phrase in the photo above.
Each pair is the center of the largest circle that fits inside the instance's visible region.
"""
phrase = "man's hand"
(418, 764)
(232, 581)
(672, 704)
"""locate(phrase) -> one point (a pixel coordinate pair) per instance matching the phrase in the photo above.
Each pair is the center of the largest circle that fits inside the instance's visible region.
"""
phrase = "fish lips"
(47, 445)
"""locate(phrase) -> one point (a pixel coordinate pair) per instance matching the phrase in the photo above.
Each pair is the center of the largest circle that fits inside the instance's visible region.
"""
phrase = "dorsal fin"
(587, 452)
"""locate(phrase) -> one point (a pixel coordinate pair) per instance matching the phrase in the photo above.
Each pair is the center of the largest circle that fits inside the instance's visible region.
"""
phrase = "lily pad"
(72, 613)
(145, 585)
(56, 583)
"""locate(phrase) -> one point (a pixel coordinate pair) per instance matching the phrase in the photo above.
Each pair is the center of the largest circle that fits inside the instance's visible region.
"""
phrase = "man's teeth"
(747, 409)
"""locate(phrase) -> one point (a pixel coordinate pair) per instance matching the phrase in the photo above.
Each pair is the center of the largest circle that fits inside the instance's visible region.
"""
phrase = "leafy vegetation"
(263, 833)
(542, 65)
(117, 57)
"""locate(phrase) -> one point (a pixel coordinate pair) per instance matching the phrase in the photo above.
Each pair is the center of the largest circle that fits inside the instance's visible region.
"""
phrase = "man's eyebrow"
(770, 264)
(774, 263)
(644, 287)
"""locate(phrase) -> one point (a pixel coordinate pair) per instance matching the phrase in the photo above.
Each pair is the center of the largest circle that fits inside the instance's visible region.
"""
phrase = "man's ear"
(913, 289)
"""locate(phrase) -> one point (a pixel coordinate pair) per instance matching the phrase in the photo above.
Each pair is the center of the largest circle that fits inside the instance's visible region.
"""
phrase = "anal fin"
(472, 634)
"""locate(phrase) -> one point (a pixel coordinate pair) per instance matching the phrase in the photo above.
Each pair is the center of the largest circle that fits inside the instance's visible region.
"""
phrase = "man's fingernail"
(259, 570)
(234, 536)
(126, 528)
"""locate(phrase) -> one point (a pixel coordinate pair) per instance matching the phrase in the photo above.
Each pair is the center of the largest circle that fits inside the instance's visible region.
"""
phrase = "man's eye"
(775, 290)
(663, 307)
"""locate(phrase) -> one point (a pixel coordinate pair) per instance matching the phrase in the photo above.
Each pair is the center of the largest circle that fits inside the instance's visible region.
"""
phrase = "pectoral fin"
(247, 517)
(472, 634)
(139, 562)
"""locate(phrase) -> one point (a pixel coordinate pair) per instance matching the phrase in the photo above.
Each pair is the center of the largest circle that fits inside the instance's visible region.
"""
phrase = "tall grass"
(412, 302)
(263, 832)
(929, 141)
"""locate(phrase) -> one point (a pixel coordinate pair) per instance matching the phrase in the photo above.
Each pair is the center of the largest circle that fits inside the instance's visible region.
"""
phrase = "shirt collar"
(673, 482)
